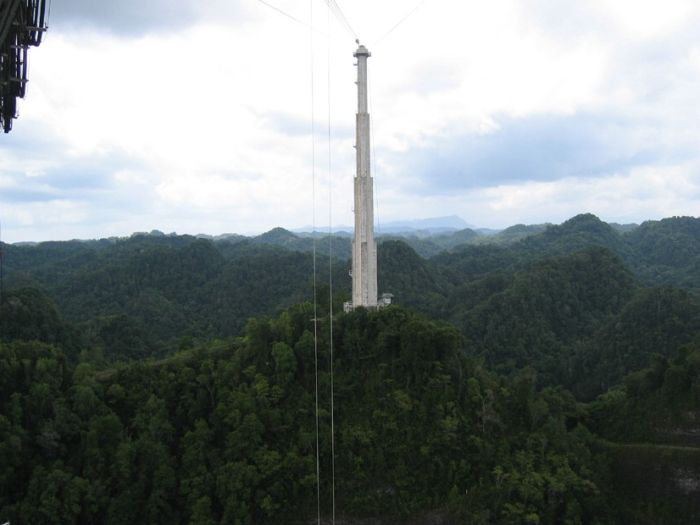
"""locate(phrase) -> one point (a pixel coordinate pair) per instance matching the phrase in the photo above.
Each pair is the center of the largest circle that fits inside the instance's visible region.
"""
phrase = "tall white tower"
(364, 247)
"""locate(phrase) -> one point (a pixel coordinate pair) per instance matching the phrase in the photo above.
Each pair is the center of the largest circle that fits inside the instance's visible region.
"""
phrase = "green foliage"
(227, 435)
(534, 317)
(656, 321)
(667, 251)
(139, 297)
(468, 419)
(660, 403)
(657, 252)
(654, 483)
(653, 422)
(27, 314)
(153, 290)
(403, 273)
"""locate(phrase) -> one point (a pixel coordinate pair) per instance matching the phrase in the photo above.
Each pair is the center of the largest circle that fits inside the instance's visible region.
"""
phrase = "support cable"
(338, 12)
(284, 13)
(291, 17)
(330, 262)
(406, 17)
(313, 213)
(344, 18)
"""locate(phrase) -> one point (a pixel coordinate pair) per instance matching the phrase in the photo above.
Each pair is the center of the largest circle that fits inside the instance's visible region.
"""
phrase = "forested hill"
(160, 291)
(551, 375)
(225, 434)
(657, 252)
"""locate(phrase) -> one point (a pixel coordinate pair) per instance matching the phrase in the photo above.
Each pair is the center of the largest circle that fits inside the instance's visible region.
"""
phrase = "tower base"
(382, 302)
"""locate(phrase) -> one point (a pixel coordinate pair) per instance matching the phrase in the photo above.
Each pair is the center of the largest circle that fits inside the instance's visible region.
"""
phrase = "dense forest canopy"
(526, 377)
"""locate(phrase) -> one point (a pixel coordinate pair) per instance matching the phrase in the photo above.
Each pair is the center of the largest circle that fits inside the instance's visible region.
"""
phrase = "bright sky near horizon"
(195, 115)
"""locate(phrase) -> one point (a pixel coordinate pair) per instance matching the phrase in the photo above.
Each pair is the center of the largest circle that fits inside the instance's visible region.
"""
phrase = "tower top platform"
(362, 52)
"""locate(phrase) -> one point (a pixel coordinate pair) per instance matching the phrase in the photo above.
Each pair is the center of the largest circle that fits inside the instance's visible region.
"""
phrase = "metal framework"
(22, 24)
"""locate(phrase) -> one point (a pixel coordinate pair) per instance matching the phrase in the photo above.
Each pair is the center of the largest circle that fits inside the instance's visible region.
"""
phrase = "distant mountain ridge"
(155, 275)
(430, 225)
(443, 233)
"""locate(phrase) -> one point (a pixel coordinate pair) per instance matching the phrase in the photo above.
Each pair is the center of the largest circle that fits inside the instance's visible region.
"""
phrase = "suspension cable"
(313, 214)
(330, 262)
(291, 17)
(406, 17)
(338, 12)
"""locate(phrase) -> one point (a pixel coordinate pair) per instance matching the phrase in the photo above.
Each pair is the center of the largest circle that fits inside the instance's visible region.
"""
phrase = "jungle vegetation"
(549, 375)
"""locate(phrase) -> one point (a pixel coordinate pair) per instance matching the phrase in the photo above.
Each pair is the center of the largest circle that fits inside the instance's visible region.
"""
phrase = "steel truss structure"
(22, 24)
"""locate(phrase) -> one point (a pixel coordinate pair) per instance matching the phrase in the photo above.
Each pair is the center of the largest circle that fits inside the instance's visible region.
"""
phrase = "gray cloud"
(29, 142)
(434, 77)
(73, 179)
(565, 20)
(540, 148)
(26, 195)
(84, 189)
(137, 17)
(288, 124)
(68, 179)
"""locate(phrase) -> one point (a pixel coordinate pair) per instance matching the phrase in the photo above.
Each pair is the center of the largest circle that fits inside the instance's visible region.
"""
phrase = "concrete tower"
(364, 247)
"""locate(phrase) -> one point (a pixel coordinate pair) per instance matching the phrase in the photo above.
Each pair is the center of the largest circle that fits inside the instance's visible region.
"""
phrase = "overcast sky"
(195, 115)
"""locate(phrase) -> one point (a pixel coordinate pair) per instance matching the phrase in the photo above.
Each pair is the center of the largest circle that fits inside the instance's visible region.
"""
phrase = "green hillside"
(550, 378)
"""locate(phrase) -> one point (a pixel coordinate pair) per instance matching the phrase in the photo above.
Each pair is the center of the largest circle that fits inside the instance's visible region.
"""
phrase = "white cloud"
(647, 18)
(210, 115)
(644, 193)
